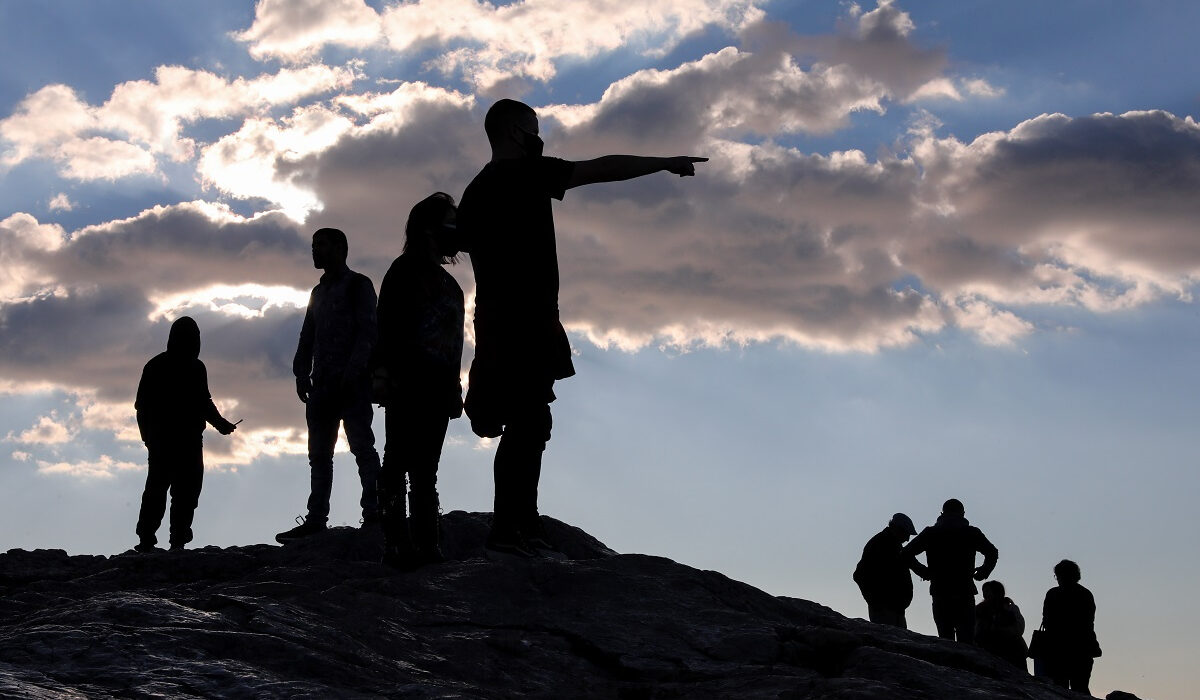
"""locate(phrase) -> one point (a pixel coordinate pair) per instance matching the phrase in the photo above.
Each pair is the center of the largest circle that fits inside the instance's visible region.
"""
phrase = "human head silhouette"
(993, 590)
(512, 130)
(1067, 571)
(903, 525)
(329, 248)
(183, 341)
(953, 507)
(430, 232)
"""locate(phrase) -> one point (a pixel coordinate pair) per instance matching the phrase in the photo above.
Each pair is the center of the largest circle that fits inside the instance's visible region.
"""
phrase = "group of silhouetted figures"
(403, 350)
(1063, 649)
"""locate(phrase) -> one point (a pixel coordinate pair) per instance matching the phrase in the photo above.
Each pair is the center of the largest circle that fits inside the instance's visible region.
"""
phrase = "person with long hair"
(416, 378)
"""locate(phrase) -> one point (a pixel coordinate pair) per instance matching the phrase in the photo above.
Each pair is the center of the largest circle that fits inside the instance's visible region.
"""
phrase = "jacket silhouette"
(172, 397)
(883, 574)
(173, 404)
(1000, 626)
(950, 546)
(1069, 621)
(333, 380)
(417, 363)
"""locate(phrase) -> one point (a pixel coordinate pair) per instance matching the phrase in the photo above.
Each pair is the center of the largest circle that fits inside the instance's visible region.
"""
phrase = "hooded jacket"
(950, 546)
(173, 401)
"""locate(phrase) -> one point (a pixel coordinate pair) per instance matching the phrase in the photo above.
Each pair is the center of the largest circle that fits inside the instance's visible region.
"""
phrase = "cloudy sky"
(940, 249)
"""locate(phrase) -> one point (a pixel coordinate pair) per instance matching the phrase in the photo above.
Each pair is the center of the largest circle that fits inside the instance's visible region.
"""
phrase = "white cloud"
(991, 325)
(61, 202)
(528, 39)
(48, 430)
(105, 467)
(244, 163)
(23, 238)
(143, 119)
(979, 87)
(491, 44)
(296, 29)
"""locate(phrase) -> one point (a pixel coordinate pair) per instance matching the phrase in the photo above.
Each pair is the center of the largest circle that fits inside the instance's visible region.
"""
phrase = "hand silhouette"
(684, 166)
(303, 388)
(227, 427)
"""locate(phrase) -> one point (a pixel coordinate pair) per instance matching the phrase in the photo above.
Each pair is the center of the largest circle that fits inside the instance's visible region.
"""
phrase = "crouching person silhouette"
(173, 404)
(416, 379)
(332, 379)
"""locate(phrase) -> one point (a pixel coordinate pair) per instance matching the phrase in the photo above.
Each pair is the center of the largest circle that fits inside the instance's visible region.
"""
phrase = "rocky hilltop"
(321, 618)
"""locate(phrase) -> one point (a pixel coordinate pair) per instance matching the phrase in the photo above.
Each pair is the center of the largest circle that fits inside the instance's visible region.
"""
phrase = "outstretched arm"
(614, 168)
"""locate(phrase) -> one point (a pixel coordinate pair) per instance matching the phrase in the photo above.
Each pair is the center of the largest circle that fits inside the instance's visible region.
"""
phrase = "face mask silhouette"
(532, 144)
(447, 240)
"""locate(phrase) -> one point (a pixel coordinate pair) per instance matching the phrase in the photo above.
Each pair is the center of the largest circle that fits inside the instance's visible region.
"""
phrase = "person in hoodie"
(1000, 627)
(416, 378)
(883, 575)
(172, 405)
(333, 379)
(950, 546)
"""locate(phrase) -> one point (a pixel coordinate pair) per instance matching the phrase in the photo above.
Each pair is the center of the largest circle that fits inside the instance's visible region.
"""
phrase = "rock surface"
(321, 619)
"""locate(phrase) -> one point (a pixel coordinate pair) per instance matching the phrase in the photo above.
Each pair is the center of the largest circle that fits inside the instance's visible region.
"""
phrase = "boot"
(426, 529)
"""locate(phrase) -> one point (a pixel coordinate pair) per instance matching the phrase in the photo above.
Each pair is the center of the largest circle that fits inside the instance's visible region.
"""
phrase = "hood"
(184, 340)
(951, 520)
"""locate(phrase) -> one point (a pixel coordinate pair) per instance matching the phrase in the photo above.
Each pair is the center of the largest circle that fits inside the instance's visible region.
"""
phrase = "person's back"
(1000, 626)
(1069, 621)
(1070, 612)
(173, 405)
(950, 546)
(172, 397)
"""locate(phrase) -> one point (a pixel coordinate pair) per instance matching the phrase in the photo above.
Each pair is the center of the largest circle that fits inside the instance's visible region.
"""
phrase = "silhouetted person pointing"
(521, 347)
(950, 546)
(882, 573)
(173, 404)
(332, 378)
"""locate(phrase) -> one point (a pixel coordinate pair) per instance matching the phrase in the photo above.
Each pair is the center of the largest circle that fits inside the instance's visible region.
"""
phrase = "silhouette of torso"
(1069, 613)
(883, 574)
(420, 327)
(339, 328)
(508, 225)
(173, 401)
(950, 546)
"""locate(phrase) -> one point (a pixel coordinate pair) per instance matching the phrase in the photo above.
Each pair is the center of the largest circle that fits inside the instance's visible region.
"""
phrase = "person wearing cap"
(883, 573)
(950, 546)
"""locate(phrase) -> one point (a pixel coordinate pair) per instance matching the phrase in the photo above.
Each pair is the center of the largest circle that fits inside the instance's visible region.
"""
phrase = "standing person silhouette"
(1069, 621)
(332, 379)
(172, 405)
(883, 575)
(417, 364)
(521, 348)
(951, 544)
